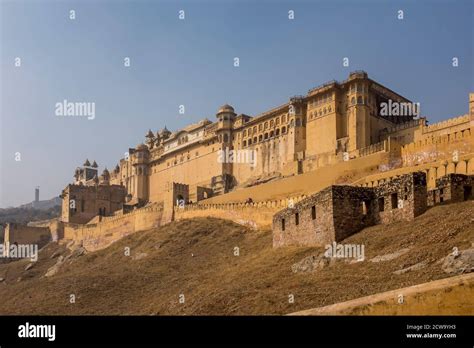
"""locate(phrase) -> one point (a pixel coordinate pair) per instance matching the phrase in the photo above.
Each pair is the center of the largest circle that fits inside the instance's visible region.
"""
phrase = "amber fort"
(323, 166)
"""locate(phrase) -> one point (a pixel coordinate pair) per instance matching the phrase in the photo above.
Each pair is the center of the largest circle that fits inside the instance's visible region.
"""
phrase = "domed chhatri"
(141, 147)
(150, 134)
(94, 165)
(87, 163)
(226, 108)
(164, 131)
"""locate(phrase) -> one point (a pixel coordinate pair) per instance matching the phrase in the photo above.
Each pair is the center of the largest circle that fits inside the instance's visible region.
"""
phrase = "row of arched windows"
(266, 136)
(360, 100)
(358, 88)
(265, 125)
(319, 100)
(320, 112)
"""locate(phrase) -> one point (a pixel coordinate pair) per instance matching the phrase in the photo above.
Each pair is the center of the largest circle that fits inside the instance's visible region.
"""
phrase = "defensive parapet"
(450, 123)
(108, 229)
(256, 215)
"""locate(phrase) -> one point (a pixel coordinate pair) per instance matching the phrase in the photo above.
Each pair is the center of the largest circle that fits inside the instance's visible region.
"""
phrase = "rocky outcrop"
(459, 262)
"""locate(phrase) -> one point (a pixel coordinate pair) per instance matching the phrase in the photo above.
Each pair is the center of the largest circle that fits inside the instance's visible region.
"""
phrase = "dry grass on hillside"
(196, 258)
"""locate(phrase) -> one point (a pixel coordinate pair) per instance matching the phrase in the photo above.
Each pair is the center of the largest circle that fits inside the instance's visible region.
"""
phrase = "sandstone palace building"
(344, 156)
(331, 121)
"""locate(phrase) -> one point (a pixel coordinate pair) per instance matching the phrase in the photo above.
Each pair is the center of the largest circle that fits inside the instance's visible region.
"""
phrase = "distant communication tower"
(37, 194)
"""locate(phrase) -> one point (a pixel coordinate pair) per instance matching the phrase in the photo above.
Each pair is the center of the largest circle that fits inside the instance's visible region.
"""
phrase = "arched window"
(272, 123)
(277, 121)
(283, 130)
(277, 132)
(353, 101)
(244, 133)
(272, 134)
(265, 126)
(298, 122)
(254, 129)
(254, 140)
(260, 137)
(250, 142)
(292, 123)
(266, 136)
(359, 100)
(245, 143)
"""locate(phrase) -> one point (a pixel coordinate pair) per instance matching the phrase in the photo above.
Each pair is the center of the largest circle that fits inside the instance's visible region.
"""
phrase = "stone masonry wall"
(452, 188)
(353, 210)
(404, 198)
(339, 211)
(308, 222)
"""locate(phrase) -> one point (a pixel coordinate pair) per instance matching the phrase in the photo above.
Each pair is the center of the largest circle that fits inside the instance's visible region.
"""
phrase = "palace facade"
(334, 122)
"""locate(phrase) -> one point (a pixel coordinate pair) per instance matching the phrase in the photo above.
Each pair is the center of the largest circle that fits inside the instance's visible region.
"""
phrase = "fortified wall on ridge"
(319, 167)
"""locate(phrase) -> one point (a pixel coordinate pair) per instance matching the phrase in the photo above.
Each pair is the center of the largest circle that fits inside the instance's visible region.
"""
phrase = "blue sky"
(190, 63)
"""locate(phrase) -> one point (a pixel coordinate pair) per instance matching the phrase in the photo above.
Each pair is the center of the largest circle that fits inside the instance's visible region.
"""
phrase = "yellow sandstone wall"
(434, 170)
(256, 215)
(273, 155)
(101, 234)
(437, 155)
(307, 183)
(22, 234)
(434, 147)
(195, 167)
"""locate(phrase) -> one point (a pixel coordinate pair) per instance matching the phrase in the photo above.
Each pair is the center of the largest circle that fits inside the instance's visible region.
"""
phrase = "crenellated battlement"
(446, 124)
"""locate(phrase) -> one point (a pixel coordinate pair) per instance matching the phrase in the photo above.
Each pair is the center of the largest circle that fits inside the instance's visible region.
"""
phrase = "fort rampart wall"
(436, 147)
(22, 234)
(98, 235)
(256, 215)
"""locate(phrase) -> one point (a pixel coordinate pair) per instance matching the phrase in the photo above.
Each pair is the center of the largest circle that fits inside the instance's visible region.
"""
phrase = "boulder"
(311, 263)
(459, 263)
(57, 266)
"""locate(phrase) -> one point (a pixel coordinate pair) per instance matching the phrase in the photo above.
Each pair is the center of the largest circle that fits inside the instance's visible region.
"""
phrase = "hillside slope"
(196, 258)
